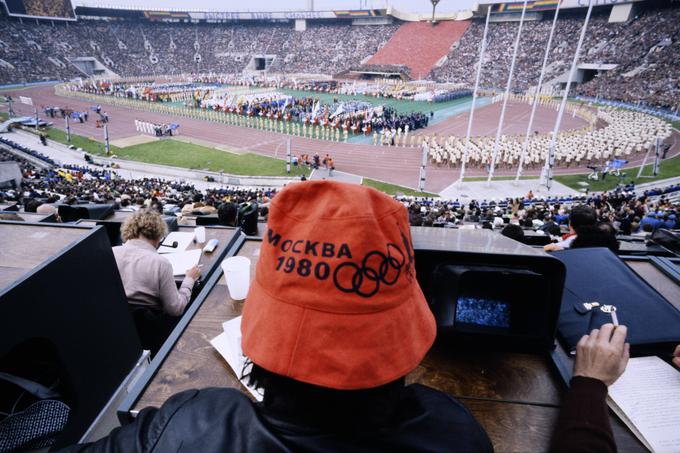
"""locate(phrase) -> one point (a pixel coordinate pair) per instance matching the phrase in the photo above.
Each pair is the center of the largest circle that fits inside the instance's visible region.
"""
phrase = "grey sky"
(287, 5)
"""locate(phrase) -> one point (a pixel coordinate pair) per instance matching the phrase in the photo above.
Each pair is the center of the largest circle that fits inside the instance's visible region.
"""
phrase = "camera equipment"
(486, 287)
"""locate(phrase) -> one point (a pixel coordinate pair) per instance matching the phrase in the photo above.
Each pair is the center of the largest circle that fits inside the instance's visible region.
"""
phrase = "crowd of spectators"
(76, 184)
(32, 51)
(625, 211)
(645, 49)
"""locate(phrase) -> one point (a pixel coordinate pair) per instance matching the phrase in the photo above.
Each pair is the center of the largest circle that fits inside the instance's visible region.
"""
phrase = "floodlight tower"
(434, 5)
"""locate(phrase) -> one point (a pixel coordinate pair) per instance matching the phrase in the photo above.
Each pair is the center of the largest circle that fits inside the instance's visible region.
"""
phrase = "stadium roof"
(420, 6)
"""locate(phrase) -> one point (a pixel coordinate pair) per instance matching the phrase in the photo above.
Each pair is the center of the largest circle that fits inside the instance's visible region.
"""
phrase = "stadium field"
(402, 106)
(393, 189)
(180, 154)
(394, 165)
(187, 155)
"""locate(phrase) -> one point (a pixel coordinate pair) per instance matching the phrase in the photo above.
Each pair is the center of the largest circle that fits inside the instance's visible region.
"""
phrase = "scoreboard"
(41, 9)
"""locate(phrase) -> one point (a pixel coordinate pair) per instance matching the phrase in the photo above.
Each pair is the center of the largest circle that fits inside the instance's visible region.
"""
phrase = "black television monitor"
(483, 286)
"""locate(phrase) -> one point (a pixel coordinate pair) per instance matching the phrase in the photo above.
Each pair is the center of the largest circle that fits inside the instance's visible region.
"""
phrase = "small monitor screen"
(483, 312)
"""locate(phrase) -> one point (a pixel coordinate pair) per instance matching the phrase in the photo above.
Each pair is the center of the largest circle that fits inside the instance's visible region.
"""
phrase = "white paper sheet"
(181, 261)
(228, 344)
(183, 241)
(648, 395)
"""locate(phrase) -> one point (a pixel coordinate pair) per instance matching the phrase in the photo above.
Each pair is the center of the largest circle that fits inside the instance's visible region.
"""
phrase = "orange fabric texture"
(335, 301)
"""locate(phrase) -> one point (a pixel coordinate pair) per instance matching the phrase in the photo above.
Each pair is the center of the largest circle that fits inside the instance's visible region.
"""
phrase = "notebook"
(647, 399)
(181, 261)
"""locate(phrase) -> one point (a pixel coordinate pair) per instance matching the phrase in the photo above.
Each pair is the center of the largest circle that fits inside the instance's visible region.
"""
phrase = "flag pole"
(482, 49)
(494, 154)
(550, 160)
(537, 95)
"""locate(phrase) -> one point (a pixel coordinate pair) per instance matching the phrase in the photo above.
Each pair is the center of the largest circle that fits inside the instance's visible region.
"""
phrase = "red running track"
(391, 164)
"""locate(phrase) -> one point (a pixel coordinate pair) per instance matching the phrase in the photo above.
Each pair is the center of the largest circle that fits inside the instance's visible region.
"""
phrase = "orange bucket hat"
(335, 301)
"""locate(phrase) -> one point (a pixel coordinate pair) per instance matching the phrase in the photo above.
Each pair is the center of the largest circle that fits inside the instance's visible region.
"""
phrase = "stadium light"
(434, 5)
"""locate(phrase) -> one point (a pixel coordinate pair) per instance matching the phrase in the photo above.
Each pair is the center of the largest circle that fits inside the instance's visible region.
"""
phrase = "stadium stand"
(141, 48)
(630, 45)
(643, 49)
(419, 45)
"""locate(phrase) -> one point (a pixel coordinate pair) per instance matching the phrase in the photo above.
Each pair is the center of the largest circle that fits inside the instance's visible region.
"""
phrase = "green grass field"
(668, 168)
(392, 189)
(497, 178)
(87, 144)
(185, 155)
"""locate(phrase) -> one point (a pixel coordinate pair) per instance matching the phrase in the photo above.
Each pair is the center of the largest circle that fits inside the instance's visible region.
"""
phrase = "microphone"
(174, 245)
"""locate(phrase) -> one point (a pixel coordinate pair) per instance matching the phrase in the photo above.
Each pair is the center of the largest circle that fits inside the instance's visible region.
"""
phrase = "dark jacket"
(225, 420)
(583, 425)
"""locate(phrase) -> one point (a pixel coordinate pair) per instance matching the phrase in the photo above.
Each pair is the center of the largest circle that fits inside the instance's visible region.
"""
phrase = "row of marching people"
(626, 133)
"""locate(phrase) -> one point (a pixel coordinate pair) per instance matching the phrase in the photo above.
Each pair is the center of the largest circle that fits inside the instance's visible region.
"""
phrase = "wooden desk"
(514, 396)
(210, 261)
(640, 248)
(655, 271)
(38, 244)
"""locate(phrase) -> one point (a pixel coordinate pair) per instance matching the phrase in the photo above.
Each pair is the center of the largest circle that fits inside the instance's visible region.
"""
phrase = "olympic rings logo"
(376, 268)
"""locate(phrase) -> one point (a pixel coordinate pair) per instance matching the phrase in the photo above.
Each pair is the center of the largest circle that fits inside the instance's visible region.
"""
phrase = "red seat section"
(419, 45)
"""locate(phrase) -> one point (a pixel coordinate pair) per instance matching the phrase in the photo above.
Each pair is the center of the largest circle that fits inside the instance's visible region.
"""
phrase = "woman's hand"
(194, 272)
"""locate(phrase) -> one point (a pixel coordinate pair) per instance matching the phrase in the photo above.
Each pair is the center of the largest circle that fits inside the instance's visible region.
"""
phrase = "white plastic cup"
(199, 234)
(237, 274)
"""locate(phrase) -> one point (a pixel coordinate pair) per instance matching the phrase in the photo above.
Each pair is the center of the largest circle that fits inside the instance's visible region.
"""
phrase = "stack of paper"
(647, 398)
(181, 261)
(228, 344)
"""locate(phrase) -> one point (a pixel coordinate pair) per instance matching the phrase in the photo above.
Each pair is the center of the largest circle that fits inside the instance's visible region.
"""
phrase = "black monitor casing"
(451, 262)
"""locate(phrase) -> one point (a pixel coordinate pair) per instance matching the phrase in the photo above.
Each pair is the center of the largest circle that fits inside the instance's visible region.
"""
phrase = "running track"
(391, 164)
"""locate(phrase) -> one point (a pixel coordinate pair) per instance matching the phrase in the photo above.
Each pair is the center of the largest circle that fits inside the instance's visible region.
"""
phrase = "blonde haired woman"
(146, 275)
